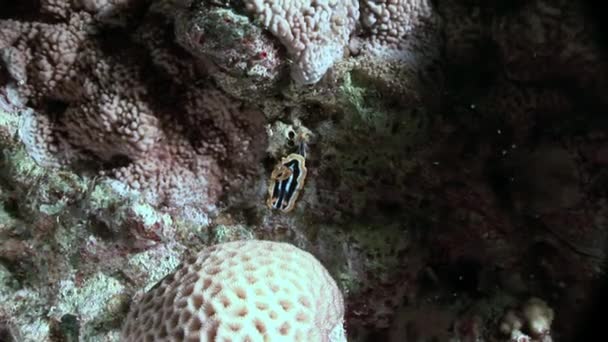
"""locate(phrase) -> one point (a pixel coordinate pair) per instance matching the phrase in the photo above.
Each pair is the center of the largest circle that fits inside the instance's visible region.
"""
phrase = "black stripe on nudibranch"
(286, 181)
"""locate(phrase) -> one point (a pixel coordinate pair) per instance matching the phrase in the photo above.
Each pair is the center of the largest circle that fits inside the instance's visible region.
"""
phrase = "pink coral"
(41, 57)
(155, 35)
(62, 8)
(110, 12)
(315, 33)
(57, 8)
(88, 104)
(174, 176)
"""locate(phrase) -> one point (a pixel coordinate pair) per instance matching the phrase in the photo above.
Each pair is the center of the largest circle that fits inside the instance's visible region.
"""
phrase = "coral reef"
(109, 115)
(455, 154)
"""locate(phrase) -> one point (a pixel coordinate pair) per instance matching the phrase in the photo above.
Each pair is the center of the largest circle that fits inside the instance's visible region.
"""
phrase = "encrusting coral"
(242, 291)
(103, 9)
(90, 100)
(88, 104)
(430, 120)
(315, 33)
(317, 37)
(41, 57)
(407, 30)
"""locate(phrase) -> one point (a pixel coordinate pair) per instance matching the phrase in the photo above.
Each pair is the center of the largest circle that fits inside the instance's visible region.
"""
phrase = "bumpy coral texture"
(58, 8)
(40, 57)
(107, 11)
(315, 32)
(104, 5)
(401, 29)
(241, 291)
(90, 103)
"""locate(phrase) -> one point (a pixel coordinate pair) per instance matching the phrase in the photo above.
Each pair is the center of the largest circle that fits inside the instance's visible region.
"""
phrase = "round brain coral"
(242, 291)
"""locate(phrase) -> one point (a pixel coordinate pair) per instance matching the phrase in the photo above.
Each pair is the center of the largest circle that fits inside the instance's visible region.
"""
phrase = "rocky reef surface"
(456, 155)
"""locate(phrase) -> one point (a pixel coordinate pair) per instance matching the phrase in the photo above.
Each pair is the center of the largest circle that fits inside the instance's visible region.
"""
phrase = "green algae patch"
(37, 192)
(9, 123)
(18, 166)
(227, 233)
(227, 26)
(150, 216)
(155, 264)
(103, 197)
(87, 301)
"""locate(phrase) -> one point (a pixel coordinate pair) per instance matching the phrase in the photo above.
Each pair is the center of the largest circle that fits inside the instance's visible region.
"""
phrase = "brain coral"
(242, 291)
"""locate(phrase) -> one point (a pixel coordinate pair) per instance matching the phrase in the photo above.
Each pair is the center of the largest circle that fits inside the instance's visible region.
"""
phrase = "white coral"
(314, 32)
(242, 291)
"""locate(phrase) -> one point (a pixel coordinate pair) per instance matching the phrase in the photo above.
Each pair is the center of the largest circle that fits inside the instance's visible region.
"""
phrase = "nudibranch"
(286, 181)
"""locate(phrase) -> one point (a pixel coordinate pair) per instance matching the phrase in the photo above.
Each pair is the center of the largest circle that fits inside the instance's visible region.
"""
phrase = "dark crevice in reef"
(591, 326)
(19, 9)
(500, 179)
(5, 332)
(27, 10)
(101, 229)
(20, 272)
(117, 161)
(507, 7)
(65, 330)
(11, 204)
(54, 108)
(598, 18)
(462, 276)
(115, 39)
